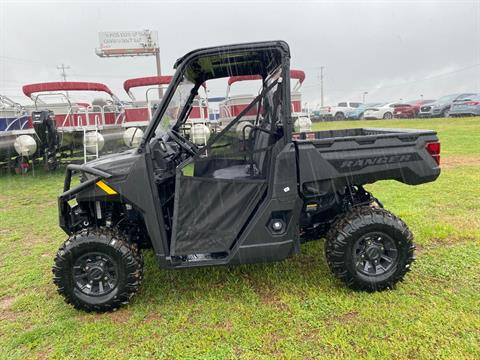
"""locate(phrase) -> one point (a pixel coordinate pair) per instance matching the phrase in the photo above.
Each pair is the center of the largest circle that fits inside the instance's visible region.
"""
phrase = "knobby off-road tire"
(369, 249)
(98, 270)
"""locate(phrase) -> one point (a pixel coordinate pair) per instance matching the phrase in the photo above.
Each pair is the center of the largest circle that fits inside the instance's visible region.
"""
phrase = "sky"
(390, 49)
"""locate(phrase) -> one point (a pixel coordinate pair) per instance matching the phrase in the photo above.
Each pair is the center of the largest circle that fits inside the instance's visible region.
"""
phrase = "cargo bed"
(331, 159)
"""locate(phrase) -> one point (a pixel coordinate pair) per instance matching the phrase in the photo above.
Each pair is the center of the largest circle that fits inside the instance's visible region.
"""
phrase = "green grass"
(292, 309)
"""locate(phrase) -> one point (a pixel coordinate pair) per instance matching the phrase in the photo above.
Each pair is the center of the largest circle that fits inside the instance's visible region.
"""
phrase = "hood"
(116, 164)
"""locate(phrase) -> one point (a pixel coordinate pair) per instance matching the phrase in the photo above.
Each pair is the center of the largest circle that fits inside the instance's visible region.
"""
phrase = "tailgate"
(330, 160)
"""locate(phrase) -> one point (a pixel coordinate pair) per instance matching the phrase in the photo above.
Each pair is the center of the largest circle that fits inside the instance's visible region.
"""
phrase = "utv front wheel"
(97, 270)
(369, 249)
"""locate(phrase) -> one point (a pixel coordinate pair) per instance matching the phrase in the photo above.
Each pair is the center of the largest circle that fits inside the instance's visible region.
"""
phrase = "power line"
(429, 77)
(25, 60)
(63, 74)
(407, 82)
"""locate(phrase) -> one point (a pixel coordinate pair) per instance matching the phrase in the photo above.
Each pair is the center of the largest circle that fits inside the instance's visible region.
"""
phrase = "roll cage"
(222, 62)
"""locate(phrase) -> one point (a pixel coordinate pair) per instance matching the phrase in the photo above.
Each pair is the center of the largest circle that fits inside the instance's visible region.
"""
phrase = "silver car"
(467, 106)
(441, 107)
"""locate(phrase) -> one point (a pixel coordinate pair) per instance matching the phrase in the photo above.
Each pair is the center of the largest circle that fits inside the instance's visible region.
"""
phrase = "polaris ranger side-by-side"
(242, 198)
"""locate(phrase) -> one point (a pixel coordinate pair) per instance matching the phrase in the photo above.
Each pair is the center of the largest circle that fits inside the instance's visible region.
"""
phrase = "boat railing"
(5, 100)
(19, 120)
(68, 117)
(92, 110)
(152, 104)
(119, 112)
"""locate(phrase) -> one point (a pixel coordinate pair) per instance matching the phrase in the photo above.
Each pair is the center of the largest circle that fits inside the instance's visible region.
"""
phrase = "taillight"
(472, 103)
(433, 149)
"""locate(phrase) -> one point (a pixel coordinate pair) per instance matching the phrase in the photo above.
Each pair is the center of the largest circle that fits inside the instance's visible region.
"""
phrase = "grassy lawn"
(293, 309)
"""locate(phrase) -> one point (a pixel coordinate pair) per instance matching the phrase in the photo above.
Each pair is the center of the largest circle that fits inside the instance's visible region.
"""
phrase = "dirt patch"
(45, 354)
(464, 160)
(120, 316)
(6, 312)
(153, 317)
(436, 243)
(343, 318)
(271, 342)
(270, 298)
(224, 326)
(6, 302)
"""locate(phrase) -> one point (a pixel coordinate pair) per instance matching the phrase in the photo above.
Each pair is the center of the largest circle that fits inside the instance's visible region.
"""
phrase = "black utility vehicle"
(253, 197)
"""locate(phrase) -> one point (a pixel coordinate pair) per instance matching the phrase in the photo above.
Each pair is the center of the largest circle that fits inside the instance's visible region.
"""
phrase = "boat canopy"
(146, 81)
(28, 90)
(294, 74)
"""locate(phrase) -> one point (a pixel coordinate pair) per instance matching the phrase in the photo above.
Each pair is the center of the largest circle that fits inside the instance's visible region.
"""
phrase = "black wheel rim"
(375, 254)
(95, 274)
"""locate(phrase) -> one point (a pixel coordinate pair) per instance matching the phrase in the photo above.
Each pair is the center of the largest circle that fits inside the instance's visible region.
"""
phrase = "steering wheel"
(185, 144)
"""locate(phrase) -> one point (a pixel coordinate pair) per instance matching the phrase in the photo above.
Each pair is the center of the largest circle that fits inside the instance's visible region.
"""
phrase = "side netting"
(209, 213)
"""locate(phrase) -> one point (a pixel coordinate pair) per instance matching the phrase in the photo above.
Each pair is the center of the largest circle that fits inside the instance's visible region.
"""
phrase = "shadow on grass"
(298, 274)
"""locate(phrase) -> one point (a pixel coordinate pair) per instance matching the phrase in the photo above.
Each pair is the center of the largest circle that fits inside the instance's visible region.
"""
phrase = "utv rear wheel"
(98, 270)
(369, 249)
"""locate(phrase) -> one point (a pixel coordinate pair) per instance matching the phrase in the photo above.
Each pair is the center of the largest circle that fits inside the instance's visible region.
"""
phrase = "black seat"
(262, 138)
(254, 167)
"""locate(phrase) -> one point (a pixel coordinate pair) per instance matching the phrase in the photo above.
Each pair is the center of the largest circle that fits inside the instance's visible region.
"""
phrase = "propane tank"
(132, 137)
(25, 145)
(92, 138)
(199, 133)
(303, 124)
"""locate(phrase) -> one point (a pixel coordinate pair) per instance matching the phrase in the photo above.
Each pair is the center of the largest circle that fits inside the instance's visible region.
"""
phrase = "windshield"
(464, 97)
(174, 109)
(447, 98)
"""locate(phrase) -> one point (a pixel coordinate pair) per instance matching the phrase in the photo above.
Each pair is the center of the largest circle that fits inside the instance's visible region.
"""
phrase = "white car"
(338, 112)
(382, 111)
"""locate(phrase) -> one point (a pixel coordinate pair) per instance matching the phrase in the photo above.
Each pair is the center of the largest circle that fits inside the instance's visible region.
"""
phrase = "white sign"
(129, 41)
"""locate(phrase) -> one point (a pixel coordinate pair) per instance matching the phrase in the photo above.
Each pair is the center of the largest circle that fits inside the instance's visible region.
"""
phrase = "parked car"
(409, 109)
(466, 106)
(357, 114)
(315, 115)
(441, 107)
(338, 112)
(381, 111)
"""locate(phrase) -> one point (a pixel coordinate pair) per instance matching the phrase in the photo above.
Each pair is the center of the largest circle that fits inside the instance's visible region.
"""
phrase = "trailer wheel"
(97, 270)
(369, 249)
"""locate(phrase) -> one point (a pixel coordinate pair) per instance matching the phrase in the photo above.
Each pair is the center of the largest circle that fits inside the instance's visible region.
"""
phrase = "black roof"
(233, 60)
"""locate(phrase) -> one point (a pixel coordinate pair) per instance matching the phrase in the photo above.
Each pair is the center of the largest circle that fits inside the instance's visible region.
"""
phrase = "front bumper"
(326, 116)
(68, 216)
(372, 116)
(403, 115)
(425, 114)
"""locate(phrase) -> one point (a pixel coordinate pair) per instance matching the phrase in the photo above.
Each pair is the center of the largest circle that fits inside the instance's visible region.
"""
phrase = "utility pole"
(63, 74)
(159, 71)
(365, 93)
(321, 85)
